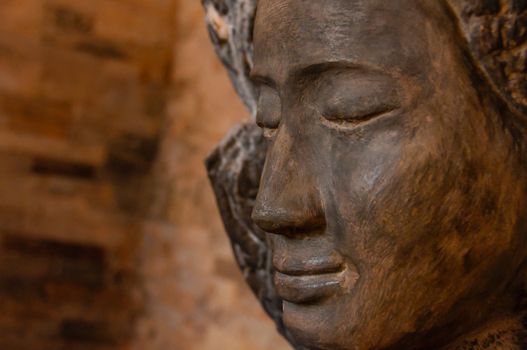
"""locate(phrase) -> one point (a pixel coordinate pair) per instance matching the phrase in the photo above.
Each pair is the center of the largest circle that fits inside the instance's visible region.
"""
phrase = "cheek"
(409, 203)
(361, 171)
(395, 192)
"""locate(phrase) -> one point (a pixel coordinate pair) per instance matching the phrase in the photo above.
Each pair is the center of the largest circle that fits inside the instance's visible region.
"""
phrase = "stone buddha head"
(394, 192)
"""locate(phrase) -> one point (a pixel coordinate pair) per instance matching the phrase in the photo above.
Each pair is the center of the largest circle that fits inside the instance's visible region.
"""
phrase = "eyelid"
(361, 113)
(350, 122)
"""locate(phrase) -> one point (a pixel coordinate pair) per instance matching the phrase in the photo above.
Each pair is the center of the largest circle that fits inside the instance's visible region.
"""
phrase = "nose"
(288, 201)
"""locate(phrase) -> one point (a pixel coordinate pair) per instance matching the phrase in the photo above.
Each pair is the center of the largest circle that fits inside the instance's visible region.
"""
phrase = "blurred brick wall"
(82, 100)
(109, 235)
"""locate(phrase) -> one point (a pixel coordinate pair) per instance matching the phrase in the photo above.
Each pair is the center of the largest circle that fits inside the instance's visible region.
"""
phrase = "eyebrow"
(258, 77)
(315, 69)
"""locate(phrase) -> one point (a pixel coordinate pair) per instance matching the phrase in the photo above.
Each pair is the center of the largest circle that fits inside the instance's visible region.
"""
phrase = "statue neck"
(509, 334)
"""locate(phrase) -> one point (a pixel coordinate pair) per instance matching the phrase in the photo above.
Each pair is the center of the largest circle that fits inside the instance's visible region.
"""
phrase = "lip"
(298, 264)
(308, 288)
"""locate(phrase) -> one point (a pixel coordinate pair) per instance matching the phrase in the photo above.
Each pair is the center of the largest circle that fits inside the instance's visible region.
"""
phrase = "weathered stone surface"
(230, 24)
(489, 73)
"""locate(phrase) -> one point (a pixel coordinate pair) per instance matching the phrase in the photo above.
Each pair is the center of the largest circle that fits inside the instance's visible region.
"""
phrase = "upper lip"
(308, 266)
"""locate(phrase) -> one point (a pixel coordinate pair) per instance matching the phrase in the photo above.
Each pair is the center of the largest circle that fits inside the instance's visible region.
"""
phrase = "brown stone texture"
(109, 234)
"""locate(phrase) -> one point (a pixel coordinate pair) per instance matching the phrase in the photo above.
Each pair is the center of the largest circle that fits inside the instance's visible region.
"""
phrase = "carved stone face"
(393, 193)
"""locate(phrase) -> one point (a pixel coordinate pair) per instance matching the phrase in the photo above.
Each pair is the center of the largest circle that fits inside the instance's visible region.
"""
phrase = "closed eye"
(350, 121)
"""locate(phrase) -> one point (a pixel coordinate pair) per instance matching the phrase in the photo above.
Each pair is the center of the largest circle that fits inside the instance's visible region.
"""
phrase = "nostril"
(286, 222)
(264, 219)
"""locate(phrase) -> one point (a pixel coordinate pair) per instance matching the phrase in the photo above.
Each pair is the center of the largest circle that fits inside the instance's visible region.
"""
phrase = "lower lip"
(307, 289)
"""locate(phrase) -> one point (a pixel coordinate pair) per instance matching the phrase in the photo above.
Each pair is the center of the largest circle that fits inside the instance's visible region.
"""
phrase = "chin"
(317, 326)
(337, 324)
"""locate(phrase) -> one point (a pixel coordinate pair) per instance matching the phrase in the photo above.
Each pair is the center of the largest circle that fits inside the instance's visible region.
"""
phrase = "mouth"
(310, 271)
(309, 288)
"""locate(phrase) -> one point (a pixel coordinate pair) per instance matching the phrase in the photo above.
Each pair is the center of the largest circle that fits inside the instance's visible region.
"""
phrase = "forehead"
(389, 35)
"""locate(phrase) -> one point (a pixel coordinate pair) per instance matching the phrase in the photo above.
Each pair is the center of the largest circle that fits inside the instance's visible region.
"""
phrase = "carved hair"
(230, 24)
(496, 32)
